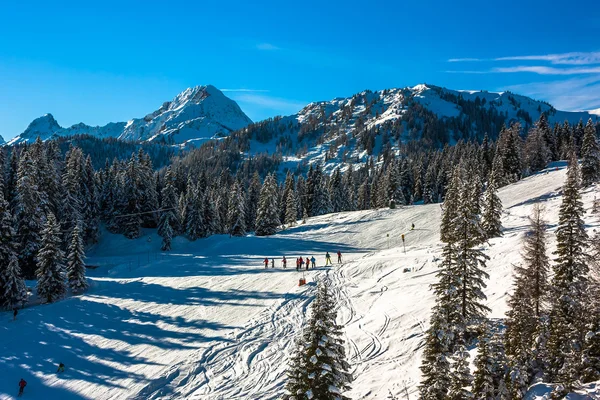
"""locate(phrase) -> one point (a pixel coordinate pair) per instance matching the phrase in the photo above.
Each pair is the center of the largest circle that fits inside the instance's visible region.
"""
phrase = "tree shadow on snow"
(44, 336)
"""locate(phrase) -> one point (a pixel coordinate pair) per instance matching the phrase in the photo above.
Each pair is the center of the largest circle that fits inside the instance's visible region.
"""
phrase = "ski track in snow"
(207, 321)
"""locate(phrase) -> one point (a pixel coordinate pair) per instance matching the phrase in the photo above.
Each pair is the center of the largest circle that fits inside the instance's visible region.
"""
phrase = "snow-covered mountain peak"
(44, 126)
(197, 114)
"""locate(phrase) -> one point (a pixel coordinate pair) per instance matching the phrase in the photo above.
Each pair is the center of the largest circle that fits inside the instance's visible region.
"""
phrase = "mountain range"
(193, 116)
(434, 114)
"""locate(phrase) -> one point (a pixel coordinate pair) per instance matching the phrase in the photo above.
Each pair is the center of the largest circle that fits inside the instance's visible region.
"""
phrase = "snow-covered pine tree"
(492, 210)
(291, 215)
(288, 186)
(267, 216)
(91, 208)
(237, 211)
(74, 196)
(527, 314)
(51, 283)
(165, 230)
(590, 154)
(349, 190)
(196, 227)
(509, 148)
(460, 374)
(212, 220)
(29, 212)
(405, 181)
(466, 235)
(12, 286)
(320, 201)
(450, 207)
(430, 187)
(75, 264)
(336, 191)
(364, 196)
(149, 201)
(485, 366)
(435, 365)
(569, 284)
(131, 221)
(252, 199)
(320, 370)
(537, 153)
(169, 202)
(578, 134)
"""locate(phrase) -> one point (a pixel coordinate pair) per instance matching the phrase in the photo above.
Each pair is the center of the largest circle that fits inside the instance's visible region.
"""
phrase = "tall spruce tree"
(75, 264)
(12, 286)
(319, 369)
(51, 283)
(267, 216)
(29, 211)
(526, 318)
(196, 227)
(492, 210)
(237, 211)
(467, 236)
(485, 366)
(590, 154)
(569, 284)
(165, 230)
(291, 215)
(460, 374)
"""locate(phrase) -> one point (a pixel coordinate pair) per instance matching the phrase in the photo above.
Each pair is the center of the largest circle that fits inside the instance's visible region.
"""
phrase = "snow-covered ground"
(207, 321)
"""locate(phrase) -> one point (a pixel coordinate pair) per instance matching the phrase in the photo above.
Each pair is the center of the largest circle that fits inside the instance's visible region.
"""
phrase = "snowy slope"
(195, 115)
(207, 321)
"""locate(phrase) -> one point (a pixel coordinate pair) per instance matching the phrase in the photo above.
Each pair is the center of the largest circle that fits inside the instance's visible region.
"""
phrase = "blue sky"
(116, 60)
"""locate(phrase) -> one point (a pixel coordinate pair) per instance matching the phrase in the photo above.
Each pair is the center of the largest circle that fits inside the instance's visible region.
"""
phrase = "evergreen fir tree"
(252, 200)
(75, 264)
(537, 153)
(492, 210)
(336, 191)
(485, 367)
(267, 218)
(320, 370)
(196, 227)
(51, 269)
(237, 211)
(29, 211)
(470, 261)
(460, 375)
(12, 286)
(569, 284)
(165, 230)
(291, 209)
(590, 154)
(435, 367)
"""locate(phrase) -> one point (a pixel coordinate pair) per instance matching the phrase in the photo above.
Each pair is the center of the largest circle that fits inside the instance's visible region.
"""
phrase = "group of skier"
(23, 382)
(302, 263)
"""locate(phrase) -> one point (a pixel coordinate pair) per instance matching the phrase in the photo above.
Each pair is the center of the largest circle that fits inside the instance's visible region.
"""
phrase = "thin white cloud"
(267, 47)
(543, 70)
(452, 60)
(573, 94)
(573, 58)
(245, 90)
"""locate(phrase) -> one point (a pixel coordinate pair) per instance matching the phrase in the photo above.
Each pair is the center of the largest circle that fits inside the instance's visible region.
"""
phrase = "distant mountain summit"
(195, 115)
(349, 130)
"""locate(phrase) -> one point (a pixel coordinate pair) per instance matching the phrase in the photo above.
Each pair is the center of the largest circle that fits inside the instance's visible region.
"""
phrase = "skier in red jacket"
(22, 384)
(266, 262)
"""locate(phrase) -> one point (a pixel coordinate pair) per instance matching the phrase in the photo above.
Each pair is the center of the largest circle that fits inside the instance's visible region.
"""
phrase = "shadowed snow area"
(207, 321)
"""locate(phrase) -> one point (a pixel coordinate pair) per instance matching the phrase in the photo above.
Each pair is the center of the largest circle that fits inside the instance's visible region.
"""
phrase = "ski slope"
(207, 321)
